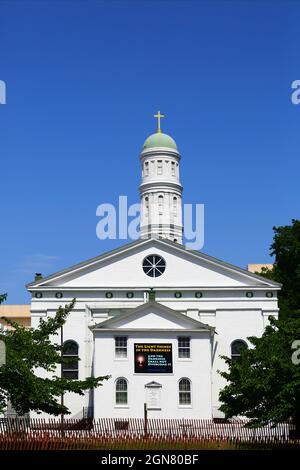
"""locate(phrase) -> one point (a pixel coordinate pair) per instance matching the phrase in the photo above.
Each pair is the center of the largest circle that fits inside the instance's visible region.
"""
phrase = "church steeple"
(160, 189)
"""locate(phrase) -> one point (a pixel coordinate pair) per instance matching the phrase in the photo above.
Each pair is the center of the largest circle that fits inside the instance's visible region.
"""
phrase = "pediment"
(152, 316)
(123, 268)
(153, 384)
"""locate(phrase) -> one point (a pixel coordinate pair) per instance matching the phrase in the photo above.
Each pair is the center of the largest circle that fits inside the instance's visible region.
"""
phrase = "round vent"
(154, 265)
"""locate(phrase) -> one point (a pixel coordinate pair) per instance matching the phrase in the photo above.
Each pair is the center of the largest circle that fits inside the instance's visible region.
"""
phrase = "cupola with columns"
(160, 189)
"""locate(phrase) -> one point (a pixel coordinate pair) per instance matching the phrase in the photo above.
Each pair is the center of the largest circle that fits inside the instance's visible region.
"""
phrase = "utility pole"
(145, 420)
(61, 375)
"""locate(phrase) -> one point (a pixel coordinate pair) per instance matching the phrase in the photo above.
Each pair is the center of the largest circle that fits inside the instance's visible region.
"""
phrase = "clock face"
(154, 265)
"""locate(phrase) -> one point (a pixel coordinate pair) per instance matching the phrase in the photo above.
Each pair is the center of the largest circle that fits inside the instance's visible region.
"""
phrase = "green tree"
(28, 349)
(286, 269)
(264, 384)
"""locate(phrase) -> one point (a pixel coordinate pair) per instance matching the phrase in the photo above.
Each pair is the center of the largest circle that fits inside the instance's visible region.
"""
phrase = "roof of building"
(176, 246)
(257, 268)
(15, 311)
(159, 139)
(140, 308)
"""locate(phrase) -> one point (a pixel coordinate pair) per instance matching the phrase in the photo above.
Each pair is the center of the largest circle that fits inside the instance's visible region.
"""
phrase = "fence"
(115, 433)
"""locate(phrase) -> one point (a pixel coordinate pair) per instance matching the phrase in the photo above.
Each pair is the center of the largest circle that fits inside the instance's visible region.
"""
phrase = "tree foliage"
(28, 351)
(264, 384)
(286, 269)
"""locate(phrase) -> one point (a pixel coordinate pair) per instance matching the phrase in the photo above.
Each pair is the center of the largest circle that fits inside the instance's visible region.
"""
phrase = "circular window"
(38, 295)
(58, 295)
(130, 295)
(198, 295)
(178, 295)
(269, 294)
(249, 294)
(109, 295)
(154, 265)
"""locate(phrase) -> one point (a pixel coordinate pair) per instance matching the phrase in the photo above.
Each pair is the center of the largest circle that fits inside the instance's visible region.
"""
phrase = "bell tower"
(160, 188)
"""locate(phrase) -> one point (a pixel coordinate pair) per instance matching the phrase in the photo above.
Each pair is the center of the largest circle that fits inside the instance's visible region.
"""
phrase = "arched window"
(236, 347)
(173, 168)
(185, 392)
(70, 352)
(146, 168)
(175, 206)
(147, 205)
(159, 167)
(160, 204)
(121, 391)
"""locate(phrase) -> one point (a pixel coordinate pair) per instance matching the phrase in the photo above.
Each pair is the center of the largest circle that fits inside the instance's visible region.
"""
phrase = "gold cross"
(159, 116)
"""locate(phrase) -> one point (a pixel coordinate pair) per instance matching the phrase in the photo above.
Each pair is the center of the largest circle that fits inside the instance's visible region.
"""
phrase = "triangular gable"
(79, 267)
(152, 315)
(112, 269)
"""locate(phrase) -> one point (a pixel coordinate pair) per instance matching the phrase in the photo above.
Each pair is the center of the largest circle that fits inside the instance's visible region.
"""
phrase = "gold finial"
(159, 116)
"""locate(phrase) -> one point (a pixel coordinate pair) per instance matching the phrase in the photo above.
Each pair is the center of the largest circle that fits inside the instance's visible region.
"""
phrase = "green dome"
(159, 140)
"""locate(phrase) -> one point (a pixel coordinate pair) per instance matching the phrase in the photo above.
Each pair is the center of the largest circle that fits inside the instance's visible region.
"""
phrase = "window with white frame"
(120, 347)
(184, 347)
(173, 169)
(121, 391)
(185, 392)
(146, 168)
(159, 167)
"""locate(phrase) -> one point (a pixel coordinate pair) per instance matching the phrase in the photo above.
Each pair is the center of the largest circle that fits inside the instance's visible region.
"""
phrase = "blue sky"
(83, 81)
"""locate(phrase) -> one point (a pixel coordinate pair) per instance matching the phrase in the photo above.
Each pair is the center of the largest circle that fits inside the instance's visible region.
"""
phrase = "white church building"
(152, 314)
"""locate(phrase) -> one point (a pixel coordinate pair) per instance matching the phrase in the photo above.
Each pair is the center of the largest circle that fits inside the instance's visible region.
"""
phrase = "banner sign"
(153, 358)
